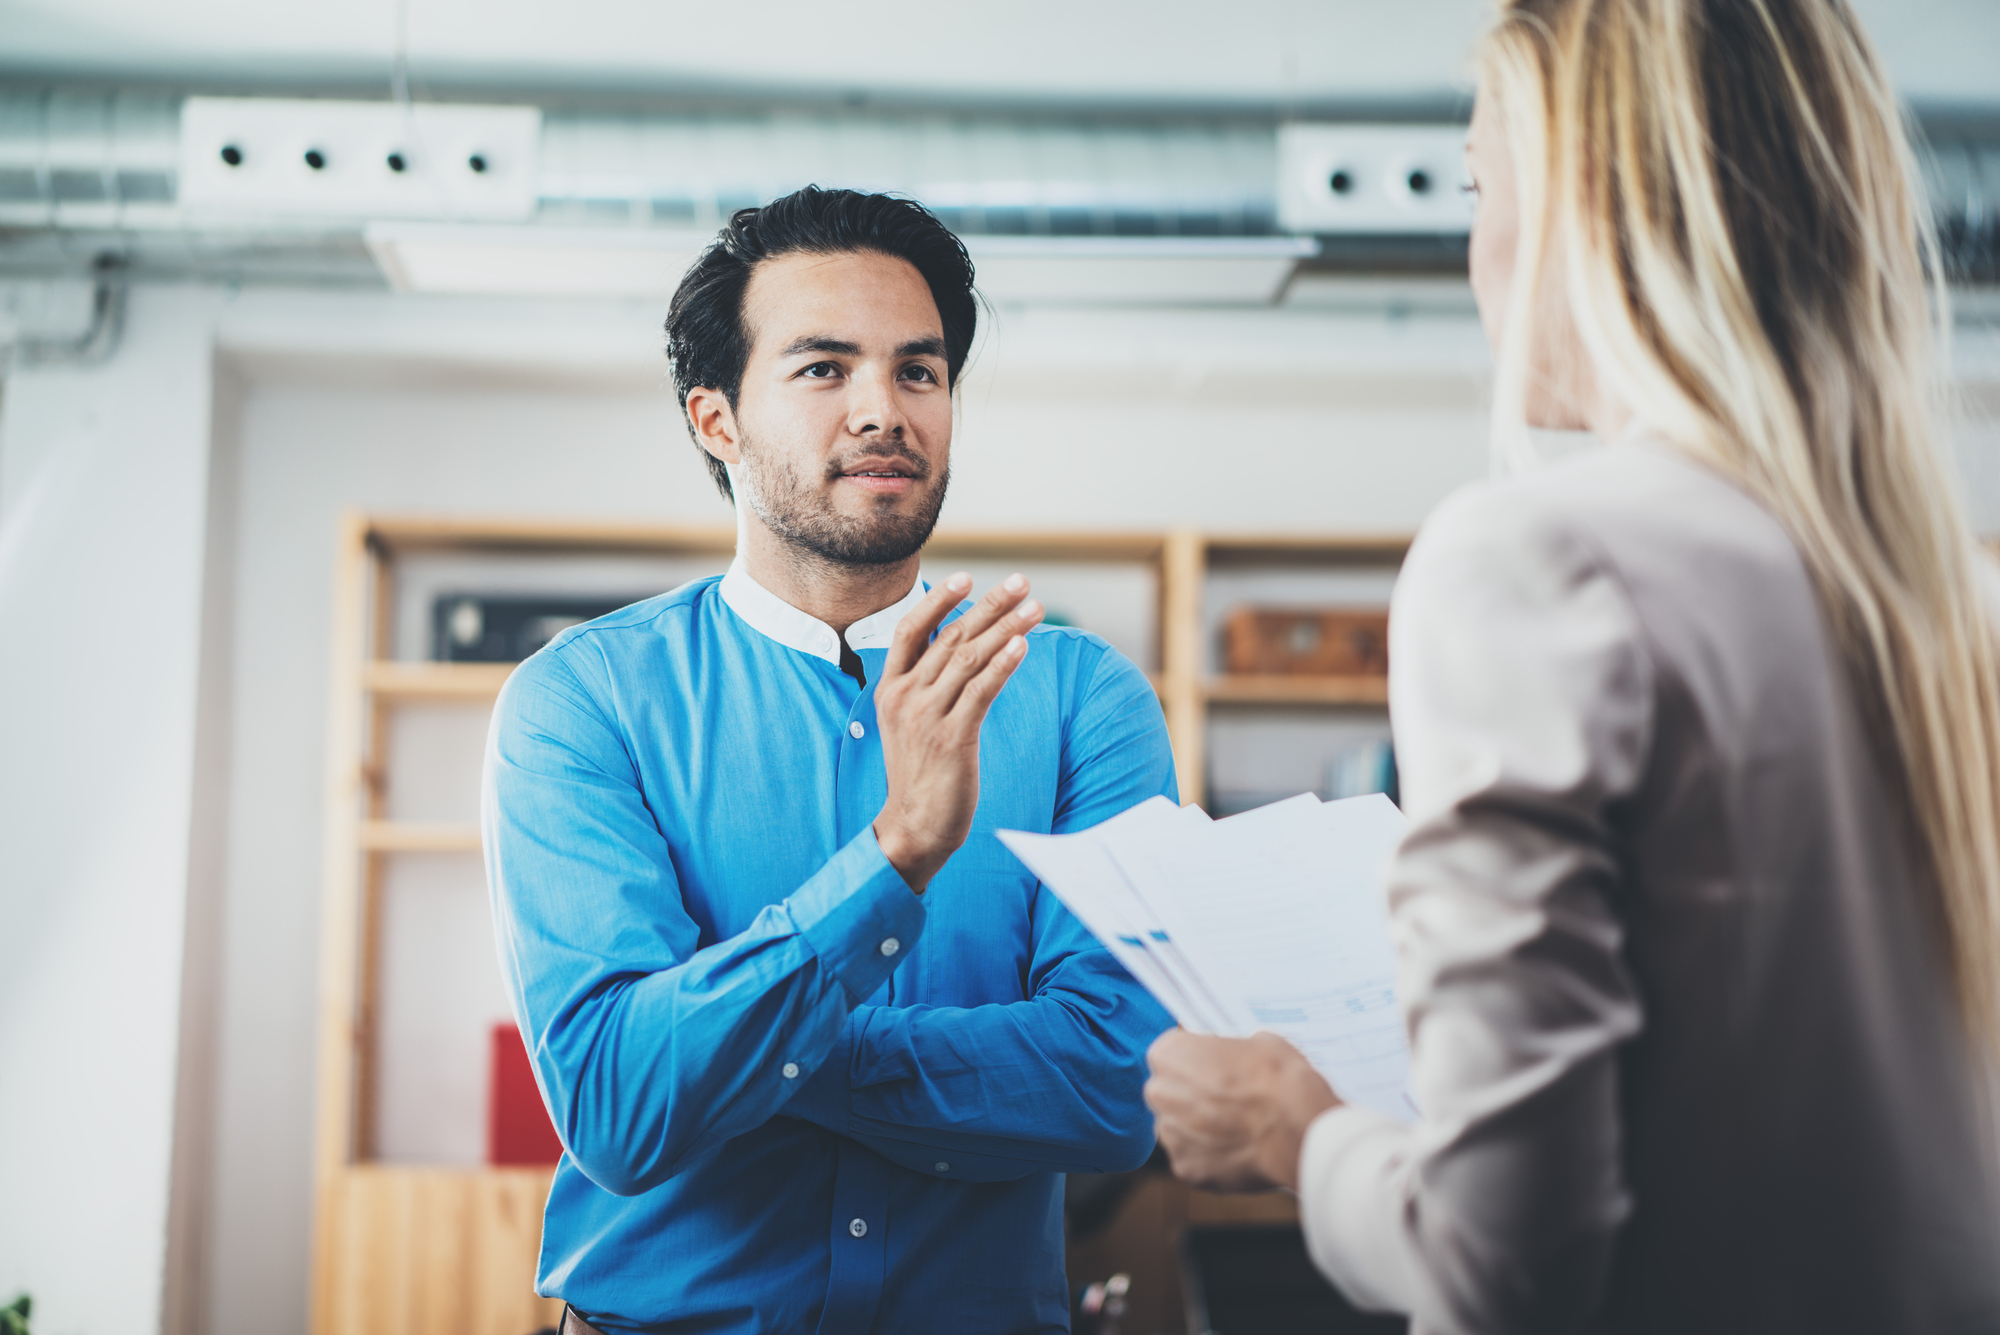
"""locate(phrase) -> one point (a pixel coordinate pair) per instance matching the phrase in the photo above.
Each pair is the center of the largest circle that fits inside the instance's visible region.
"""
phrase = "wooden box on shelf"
(1306, 641)
(1263, 664)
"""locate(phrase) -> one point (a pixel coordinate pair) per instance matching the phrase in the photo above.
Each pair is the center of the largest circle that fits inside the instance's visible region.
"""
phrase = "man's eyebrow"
(820, 343)
(922, 347)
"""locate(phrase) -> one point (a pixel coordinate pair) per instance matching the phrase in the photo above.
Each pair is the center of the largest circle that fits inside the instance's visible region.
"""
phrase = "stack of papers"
(1272, 920)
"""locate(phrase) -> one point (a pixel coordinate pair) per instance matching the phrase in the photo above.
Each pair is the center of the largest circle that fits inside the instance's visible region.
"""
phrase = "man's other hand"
(929, 704)
(1232, 1113)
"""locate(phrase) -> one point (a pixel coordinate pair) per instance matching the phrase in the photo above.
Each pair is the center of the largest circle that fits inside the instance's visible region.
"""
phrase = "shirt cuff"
(858, 915)
(1348, 1167)
(826, 1098)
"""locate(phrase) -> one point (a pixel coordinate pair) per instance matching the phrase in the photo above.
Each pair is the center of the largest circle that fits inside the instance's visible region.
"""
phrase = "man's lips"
(883, 476)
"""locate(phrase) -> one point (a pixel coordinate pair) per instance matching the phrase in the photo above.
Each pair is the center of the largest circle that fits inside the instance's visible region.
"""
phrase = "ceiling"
(1272, 55)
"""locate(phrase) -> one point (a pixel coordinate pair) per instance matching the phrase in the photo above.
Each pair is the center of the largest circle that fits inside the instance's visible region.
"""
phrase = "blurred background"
(333, 384)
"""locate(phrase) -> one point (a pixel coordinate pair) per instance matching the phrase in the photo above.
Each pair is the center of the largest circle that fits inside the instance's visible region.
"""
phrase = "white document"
(1115, 916)
(1272, 920)
(1105, 902)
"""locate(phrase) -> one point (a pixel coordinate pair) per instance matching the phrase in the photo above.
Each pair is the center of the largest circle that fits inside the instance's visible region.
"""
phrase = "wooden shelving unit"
(414, 1250)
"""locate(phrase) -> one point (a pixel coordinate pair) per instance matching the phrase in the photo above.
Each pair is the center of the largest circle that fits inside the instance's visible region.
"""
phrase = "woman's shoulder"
(1640, 506)
(1634, 541)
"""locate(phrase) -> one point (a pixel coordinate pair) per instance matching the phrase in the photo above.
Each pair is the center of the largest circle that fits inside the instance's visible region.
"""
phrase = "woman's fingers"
(913, 632)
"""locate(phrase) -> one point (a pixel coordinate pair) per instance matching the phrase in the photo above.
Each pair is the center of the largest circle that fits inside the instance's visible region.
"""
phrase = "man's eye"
(920, 372)
(821, 371)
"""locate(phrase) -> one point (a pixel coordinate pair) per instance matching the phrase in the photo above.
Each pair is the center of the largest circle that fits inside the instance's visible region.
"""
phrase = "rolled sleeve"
(1348, 1170)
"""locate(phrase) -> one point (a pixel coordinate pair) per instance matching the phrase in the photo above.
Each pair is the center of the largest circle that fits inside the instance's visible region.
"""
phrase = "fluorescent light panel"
(1124, 271)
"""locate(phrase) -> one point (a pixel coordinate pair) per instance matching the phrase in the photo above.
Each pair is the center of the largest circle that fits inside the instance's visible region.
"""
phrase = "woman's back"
(1686, 1051)
(1699, 923)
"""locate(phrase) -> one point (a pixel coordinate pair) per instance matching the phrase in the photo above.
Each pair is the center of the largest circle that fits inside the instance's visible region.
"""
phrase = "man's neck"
(836, 594)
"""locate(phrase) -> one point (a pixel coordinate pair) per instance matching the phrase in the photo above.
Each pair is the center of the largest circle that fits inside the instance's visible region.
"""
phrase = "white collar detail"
(775, 619)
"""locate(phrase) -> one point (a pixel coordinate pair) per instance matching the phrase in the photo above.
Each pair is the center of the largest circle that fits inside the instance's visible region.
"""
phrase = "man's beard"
(804, 518)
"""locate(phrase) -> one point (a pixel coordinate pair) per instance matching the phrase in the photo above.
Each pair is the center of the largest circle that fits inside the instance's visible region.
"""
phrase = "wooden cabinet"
(408, 1248)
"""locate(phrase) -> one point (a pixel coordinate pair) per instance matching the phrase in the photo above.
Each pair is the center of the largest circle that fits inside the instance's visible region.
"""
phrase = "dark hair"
(707, 343)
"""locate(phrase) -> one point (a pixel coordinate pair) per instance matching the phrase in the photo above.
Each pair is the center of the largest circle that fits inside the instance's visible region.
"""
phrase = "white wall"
(1295, 419)
(103, 500)
(320, 435)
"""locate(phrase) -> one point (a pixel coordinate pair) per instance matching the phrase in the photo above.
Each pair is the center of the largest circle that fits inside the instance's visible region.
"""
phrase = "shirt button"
(891, 946)
(858, 1227)
(791, 1070)
(942, 1166)
(856, 731)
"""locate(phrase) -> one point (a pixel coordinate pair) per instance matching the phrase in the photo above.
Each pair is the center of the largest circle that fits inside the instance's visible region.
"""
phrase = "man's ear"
(714, 423)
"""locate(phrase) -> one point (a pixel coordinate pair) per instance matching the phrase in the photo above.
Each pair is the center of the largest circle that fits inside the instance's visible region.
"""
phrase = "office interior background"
(1210, 377)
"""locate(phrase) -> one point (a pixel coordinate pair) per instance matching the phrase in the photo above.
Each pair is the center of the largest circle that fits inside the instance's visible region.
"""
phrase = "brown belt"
(573, 1324)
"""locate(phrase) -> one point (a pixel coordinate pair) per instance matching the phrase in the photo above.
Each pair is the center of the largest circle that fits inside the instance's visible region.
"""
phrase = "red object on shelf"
(518, 1130)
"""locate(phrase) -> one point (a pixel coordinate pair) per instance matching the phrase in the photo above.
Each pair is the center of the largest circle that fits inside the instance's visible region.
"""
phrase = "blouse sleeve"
(1522, 703)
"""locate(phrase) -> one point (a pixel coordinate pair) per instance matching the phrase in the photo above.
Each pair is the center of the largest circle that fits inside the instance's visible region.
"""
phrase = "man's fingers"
(913, 632)
(970, 658)
(977, 694)
(1000, 600)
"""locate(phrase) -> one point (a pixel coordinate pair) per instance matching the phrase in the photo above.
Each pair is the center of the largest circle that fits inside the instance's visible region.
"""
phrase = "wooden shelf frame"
(1296, 690)
(392, 680)
(404, 1250)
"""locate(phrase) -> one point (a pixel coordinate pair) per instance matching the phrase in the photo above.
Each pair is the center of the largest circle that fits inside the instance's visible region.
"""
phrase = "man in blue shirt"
(819, 1049)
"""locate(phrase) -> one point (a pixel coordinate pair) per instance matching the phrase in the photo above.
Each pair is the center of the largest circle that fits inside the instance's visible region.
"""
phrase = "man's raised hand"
(929, 704)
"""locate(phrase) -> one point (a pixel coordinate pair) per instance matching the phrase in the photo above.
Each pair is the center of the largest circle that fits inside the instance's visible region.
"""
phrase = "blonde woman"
(1699, 918)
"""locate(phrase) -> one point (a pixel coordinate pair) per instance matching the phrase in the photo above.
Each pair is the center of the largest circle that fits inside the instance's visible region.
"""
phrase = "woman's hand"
(1232, 1113)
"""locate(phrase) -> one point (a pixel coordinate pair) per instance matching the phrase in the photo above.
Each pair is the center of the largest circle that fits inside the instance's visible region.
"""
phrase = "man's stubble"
(802, 517)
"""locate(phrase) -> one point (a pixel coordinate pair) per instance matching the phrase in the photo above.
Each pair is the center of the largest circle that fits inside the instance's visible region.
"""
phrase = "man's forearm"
(1043, 1085)
(648, 1072)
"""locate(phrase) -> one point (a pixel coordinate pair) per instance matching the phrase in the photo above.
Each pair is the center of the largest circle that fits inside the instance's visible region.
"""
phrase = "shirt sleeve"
(1048, 1084)
(1523, 703)
(649, 1051)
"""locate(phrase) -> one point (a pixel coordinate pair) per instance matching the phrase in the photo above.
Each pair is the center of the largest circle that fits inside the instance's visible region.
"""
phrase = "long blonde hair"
(1723, 195)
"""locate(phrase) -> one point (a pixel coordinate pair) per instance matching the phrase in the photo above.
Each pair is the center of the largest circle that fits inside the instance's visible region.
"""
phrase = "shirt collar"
(774, 618)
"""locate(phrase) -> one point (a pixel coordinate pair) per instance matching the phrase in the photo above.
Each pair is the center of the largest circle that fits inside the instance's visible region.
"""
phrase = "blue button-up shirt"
(793, 1094)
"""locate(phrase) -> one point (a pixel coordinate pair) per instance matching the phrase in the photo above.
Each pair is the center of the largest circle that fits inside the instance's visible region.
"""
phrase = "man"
(819, 1049)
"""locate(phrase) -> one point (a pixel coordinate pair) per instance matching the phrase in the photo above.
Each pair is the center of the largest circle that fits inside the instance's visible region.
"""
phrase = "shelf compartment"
(1300, 690)
(401, 836)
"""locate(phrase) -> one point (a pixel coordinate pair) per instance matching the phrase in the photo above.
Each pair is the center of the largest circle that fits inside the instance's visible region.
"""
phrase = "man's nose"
(874, 408)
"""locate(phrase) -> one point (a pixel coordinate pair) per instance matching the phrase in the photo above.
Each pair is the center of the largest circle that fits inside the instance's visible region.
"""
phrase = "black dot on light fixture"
(1420, 182)
(477, 162)
(232, 155)
(398, 163)
(315, 159)
(1340, 182)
